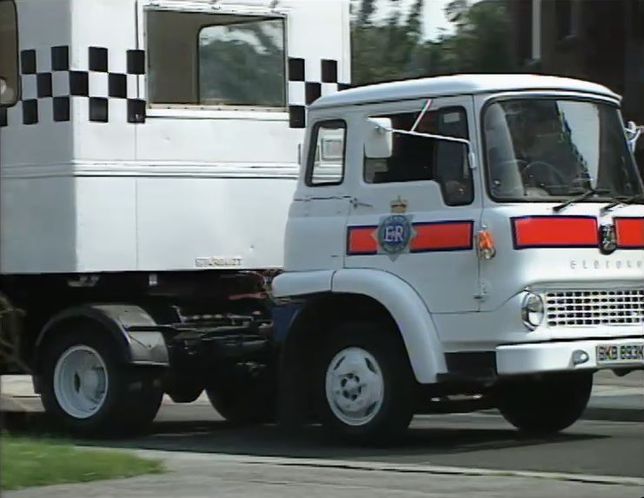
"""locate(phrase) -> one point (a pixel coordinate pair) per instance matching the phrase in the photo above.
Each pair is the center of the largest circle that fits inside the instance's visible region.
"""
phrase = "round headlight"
(532, 310)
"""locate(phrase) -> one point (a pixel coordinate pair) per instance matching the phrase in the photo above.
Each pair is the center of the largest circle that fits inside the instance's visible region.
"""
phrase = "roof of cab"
(461, 84)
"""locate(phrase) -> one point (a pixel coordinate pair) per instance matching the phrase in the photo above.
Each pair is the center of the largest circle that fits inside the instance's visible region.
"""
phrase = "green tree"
(395, 49)
(382, 50)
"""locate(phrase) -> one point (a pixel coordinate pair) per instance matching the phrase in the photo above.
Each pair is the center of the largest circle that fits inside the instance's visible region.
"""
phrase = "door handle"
(355, 202)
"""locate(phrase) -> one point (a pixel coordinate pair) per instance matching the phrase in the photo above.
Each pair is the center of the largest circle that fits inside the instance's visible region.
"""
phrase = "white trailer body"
(129, 151)
(149, 151)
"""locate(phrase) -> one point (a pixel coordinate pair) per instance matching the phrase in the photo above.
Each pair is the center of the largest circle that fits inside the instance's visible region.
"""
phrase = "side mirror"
(378, 138)
(633, 133)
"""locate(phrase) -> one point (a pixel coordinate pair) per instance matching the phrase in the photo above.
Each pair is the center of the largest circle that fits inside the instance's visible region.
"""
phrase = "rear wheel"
(88, 391)
(545, 405)
(182, 388)
(245, 396)
(367, 390)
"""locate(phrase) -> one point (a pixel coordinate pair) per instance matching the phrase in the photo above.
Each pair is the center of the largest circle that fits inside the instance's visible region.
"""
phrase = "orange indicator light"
(486, 246)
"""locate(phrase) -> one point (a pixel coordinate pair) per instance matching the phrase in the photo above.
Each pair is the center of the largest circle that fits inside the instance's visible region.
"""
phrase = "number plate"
(620, 353)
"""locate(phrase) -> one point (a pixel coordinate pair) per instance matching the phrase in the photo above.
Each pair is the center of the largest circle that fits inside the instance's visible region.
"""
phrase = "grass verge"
(26, 462)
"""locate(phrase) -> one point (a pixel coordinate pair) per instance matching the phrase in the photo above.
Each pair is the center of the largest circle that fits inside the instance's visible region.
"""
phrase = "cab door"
(416, 212)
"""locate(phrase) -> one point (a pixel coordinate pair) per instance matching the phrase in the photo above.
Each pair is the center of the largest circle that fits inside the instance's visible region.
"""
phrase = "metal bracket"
(355, 202)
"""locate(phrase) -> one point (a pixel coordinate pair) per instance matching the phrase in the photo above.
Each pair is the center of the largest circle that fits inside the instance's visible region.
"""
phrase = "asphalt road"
(441, 456)
(207, 476)
(470, 440)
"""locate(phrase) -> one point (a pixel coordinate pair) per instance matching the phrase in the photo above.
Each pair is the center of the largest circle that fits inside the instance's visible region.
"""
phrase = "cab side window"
(327, 154)
(9, 78)
(417, 158)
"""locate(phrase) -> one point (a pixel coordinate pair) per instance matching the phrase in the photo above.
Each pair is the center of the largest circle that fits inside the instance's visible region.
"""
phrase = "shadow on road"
(427, 437)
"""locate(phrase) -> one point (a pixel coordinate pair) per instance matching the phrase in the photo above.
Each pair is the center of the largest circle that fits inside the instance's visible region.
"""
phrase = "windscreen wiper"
(582, 196)
(622, 201)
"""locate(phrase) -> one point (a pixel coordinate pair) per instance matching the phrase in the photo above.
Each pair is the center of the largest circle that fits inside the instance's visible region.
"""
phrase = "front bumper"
(521, 359)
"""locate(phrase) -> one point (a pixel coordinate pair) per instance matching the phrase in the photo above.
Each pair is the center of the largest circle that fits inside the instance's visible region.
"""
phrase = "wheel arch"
(119, 322)
(357, 295)
(318, 314)
(323, 311)
(406, 308)
(369, 294)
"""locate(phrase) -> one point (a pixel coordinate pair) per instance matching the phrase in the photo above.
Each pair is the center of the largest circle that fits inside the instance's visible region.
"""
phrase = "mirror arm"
(422, 114)
(428, 135)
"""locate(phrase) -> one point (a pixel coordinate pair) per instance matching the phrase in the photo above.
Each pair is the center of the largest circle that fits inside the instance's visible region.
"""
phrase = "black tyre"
(88, 391)
(545, 405)
(367, 392)
(245, 397)
(182, 388)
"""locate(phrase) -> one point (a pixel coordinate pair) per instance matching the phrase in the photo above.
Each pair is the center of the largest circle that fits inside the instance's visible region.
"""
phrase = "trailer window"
(216, 59)
(326, 160)
(9, 80)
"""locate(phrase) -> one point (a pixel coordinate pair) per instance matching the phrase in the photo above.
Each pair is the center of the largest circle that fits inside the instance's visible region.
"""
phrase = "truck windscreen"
(550, 149)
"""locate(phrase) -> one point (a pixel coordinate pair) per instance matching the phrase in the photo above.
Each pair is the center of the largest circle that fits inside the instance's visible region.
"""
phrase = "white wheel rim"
(80, 381)
(355, 386)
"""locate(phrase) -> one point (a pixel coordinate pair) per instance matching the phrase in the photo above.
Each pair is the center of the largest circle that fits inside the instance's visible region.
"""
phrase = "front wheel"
(366, 385)
(545, 405)
(88, 391)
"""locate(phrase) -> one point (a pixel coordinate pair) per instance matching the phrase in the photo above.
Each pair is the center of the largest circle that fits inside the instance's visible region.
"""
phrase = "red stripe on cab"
(555, 231)
(630, 233)
(362, 240)
(442, 236)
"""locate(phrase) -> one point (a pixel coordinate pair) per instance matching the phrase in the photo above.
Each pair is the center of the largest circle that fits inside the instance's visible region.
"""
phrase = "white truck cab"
(478, 234)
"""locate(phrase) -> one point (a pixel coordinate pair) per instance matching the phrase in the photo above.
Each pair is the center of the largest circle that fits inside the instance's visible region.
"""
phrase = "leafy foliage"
(235, 57)
(395, 48)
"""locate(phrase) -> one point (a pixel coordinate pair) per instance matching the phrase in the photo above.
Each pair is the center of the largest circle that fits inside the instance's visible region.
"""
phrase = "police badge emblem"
(395, 231)
(607, 239)
(394, 234)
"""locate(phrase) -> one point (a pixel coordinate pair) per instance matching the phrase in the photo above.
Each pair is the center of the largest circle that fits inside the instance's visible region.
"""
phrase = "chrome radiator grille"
(582, 308)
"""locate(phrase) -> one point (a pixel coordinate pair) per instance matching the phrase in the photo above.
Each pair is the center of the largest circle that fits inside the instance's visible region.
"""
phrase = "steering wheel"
(552, 169)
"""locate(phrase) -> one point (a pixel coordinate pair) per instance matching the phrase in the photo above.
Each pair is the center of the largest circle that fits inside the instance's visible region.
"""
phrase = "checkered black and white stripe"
(50, 85)
(308, 81)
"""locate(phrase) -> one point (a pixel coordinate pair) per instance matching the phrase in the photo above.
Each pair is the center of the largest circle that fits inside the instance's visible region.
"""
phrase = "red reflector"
(630, 233)
(551, 231)
(445, 236)
(362, 240)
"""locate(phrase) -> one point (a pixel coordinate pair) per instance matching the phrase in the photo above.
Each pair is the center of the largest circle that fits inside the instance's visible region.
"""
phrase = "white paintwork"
(450, 302)
(461, 84)
(546, 268)
(554, 356)
(191, 188)
(81, 382)
(301, 284)
(408, 311)
(355, 386)
(427, 270)
(484, 330)
(403, 302)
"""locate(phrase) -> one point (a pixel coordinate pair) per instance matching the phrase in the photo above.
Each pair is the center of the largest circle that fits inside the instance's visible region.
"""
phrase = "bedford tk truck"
(478, 235)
